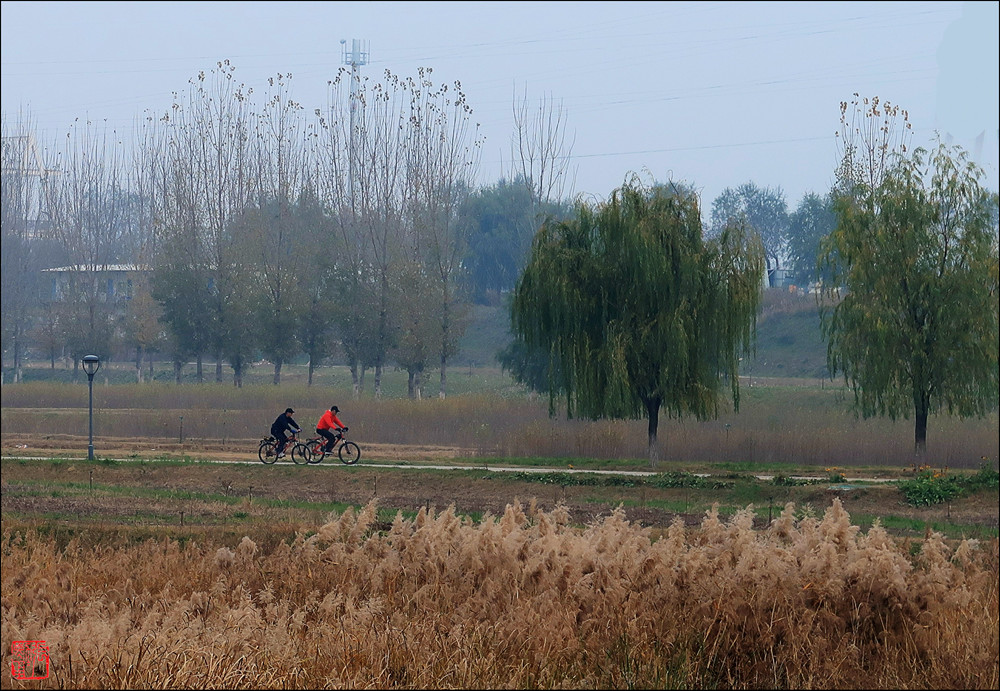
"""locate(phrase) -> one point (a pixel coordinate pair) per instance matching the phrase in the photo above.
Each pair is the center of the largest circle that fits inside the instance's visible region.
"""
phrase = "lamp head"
(91, 363)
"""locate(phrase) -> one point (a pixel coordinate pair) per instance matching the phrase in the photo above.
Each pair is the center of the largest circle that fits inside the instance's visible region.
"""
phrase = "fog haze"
(714, 94)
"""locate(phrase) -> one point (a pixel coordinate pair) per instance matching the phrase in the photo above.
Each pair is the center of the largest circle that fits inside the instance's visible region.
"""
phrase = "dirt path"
(68, 446)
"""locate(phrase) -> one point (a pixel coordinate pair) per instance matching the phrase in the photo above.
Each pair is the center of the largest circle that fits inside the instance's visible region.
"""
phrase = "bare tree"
(362, 168)
(90, 219)
(212, 182)
(872, 134)
(279, 245)
(23, 206)
(442, 161)
(151, 183)
(332, 155)
(540, 154)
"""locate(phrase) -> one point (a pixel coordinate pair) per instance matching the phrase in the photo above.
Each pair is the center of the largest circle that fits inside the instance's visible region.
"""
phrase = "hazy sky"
(714, 94)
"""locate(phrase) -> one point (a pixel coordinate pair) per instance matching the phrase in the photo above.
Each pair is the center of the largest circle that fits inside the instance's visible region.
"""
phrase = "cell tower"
(356, 57)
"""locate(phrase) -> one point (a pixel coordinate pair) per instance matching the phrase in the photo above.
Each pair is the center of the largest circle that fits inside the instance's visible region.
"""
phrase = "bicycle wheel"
(300, 453)
(349, 453)
(316, 453)
(266, 452)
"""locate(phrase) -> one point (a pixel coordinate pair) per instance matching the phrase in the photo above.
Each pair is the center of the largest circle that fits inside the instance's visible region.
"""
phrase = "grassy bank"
(104, 495)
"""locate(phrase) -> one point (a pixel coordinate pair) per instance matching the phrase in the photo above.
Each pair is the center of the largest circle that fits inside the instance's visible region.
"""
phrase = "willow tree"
(638, 312)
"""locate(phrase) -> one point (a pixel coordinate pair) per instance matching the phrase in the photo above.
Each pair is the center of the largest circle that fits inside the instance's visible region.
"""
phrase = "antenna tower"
(356, 57)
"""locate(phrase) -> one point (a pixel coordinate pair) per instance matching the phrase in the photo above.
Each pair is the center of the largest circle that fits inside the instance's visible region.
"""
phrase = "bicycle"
(296, 449)
(348, 452)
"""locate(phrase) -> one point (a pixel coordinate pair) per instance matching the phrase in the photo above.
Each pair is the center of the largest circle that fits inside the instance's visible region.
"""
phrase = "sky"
(712, 94)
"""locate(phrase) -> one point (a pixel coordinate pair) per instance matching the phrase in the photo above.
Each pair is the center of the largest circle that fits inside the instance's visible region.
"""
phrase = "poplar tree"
(638, 311)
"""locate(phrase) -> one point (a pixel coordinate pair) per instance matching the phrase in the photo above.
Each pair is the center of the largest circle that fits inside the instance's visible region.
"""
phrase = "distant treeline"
(236, 228)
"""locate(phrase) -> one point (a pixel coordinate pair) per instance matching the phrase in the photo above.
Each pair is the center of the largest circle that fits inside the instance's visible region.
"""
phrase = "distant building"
(111, 283)
(777, 278)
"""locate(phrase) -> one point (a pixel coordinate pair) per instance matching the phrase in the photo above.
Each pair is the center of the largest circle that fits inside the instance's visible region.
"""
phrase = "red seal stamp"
(29, 660)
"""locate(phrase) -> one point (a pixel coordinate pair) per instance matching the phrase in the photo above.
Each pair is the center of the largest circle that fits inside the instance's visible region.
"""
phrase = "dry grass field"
(521, 599)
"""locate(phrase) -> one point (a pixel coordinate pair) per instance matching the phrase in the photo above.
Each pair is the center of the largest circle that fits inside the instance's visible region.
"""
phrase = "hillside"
(789, 342)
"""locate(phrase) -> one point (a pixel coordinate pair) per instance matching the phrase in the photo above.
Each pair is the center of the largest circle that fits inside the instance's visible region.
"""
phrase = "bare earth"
(408, 489)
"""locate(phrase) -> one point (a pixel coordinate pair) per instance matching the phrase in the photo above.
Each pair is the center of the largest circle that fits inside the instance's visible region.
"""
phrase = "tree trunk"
(920, 433)
(277, 372)
(355, 380)
(653, 415)
(17, 358)
(177, 370)
(309, 378)
(444, 376)
(378, 380)
(445, 326)
(218, 367)
(199, 366)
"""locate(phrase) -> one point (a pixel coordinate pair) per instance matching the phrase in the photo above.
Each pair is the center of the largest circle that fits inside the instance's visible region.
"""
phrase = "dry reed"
(812, 427)
(522, 600)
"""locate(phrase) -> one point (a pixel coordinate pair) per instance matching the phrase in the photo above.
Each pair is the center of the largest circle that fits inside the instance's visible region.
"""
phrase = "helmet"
(289, 410)
(335, 409)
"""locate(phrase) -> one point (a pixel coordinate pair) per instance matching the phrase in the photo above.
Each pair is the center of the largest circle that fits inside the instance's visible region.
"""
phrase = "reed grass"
(776, 424)
(519, 600)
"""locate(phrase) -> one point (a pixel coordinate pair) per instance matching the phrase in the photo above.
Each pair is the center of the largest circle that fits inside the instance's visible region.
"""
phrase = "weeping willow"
(637, 310)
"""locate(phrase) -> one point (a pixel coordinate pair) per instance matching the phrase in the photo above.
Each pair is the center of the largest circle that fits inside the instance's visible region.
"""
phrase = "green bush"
(986, 478)
(931, 487)
(677, 479)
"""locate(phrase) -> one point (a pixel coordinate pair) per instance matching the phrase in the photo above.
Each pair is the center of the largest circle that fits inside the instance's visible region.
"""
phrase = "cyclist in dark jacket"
(281, 423)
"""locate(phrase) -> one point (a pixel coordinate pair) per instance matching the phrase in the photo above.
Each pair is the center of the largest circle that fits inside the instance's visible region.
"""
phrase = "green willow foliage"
(638, 309)
(916, 330)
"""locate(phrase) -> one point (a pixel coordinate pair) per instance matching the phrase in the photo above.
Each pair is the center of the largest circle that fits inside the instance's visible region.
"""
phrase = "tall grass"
(807, 425)
(522, 600)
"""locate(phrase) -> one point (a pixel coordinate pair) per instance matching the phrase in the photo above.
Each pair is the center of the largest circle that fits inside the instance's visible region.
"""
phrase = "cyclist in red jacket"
(326, 423)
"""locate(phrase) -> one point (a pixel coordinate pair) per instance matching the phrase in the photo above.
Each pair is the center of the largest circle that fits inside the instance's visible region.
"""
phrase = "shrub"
(986, 478)
(931, 487)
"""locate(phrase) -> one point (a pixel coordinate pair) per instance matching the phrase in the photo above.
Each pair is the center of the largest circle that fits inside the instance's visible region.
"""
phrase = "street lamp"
(91, 363)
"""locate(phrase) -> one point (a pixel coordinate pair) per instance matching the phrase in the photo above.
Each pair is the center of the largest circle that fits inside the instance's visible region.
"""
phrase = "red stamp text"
(29, 660)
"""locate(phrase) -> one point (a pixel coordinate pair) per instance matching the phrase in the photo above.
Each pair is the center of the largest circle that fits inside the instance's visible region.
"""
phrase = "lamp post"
(91, 363)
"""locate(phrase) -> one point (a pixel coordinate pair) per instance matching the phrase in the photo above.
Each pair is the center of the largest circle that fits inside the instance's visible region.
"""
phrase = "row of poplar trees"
(268, 231)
